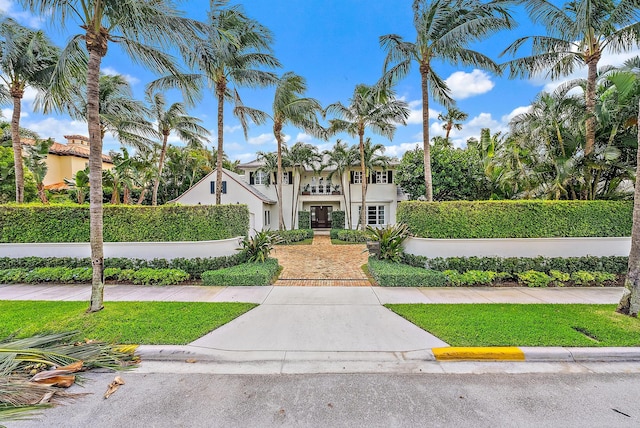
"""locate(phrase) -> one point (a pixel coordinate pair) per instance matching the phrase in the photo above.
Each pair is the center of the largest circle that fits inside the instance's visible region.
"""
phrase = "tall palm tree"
(578, 33)
(27, 58)
(452, 120)
(232, 52)
(173, 118)
(300, 156)
(290, 108)
(144, 29)
(373, 107)
(445, 29)
(342, 157)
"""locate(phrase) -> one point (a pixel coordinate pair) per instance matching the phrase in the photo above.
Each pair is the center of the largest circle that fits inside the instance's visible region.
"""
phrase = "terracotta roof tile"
(65, 150)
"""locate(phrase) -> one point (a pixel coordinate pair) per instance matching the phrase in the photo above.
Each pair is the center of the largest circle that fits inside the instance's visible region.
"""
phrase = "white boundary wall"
(130, 250)
(518, 247)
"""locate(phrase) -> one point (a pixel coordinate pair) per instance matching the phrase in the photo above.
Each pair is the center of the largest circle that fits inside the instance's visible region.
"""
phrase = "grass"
(524, 325)
(149, 323)
(341, 242)
(308, 241)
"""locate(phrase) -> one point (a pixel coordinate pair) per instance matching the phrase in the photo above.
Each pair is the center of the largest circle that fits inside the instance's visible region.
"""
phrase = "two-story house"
(303, 189)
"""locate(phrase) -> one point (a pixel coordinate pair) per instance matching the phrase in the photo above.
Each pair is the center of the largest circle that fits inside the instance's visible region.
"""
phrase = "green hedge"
(123, 223)
(304, 220)
(347, 235)
(295, 235)
(516, 219)
(64, 275)
(245, 274)
(194, 267)
(337, 220)
(389, 274)
(512, 265)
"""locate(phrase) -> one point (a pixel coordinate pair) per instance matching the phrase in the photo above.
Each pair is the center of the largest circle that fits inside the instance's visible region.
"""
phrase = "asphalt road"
(352, 400)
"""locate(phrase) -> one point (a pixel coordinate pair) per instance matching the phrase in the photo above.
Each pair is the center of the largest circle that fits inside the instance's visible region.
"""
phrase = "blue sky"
(334, 45)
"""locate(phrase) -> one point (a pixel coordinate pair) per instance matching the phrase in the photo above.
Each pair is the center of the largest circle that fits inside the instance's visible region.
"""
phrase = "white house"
(319, 193)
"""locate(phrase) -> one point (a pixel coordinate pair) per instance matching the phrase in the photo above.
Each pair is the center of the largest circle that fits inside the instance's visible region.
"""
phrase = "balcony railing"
(320, 190)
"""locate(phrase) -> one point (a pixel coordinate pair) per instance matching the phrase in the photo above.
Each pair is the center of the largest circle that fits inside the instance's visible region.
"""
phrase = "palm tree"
(170, 119)
(300, 157)
(342, 157)
(452, 120)
(36, 161)
(374, 107)
(578, 33)
(290, 108)
(233, 50)
(27, 58)
(80, 184)
(144, 29)
(445, 28)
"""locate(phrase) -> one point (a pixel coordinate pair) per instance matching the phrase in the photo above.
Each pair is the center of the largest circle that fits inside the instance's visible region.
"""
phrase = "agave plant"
(259, 246)
(390, 239)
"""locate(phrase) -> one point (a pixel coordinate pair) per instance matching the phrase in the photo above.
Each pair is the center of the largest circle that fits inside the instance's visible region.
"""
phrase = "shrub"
(601, 277)
(337, 220)
(582, 277)
(244, 274)
(295, 235)
(111, 273)
(148, 276)
(613, 264)
(559, 278)
(473, 277)
(348, 235)
(70, 223)
(304, 220)
(390, 239)
(12, 276)
(532, 278)
(516, 219)
(259, 246)
(389, 274)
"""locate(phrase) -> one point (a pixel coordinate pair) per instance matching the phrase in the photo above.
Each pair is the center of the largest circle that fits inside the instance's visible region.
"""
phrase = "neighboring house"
(303, 190)
(64, 160)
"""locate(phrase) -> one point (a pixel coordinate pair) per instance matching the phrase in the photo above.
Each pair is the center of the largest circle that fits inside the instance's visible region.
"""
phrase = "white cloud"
(304, 137)
(398, 150)
(57, 128)
(244, 157)
(265, 138)
(229, 129)
(515, 112)
(7, 113)
(110, 71)
(415, 113)
(464, 85)
(7, 7)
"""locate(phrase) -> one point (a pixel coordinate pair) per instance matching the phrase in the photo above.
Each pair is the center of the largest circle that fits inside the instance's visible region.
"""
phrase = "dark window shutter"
(351, 176)
(224, 187)
(213, 187)
(290, 177)
(390, 177)
(252, 178)
(275, 178)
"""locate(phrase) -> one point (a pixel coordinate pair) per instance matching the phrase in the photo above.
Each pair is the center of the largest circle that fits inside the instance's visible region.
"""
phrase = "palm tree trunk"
(277, 131)
(363, 207)
(41, 193)
(17, 145)
(428, 183)
(142, 195)
(630, 301)
(95, 175)
(294, 199)
(590, 95)
(344, 197)
(221, 88)
(156, 184)
(349, 208)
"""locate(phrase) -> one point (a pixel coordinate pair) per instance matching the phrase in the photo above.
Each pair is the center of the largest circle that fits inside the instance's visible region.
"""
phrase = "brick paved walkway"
(321, 264)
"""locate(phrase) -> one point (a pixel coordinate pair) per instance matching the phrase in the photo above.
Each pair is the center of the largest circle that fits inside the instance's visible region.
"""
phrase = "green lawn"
(524, 325)
(149, 323)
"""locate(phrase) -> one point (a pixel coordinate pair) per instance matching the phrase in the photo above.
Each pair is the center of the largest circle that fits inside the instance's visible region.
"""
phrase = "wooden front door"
(321, 217)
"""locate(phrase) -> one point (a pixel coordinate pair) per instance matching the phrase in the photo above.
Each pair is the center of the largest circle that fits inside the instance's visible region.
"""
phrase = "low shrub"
(62, 275)
(348, 235)
(12, 276)
(390, 239)
(254, 273)
(304, 219)
(259, 246)
(473, 277)
(601, 277)
(148, 276)
(559, 278)
(337, 220)
(58, 274)
(533, 278)
(611, 264)
(389, 274)
(295, 235)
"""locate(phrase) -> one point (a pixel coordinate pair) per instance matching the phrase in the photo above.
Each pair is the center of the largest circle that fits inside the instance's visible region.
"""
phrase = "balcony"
(320, 190)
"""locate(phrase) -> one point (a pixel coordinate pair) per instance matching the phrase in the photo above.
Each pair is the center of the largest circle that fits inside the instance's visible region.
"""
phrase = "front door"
(321, 217)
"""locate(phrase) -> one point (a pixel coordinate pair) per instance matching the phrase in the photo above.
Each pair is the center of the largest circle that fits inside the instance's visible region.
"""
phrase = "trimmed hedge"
(244, 274)
(63, 275)
(123, 223)
(295, 235)
(337, 220)
(516, 219)
(348, 235)
(512, 265)
(194, 267)
(389, 274)
(304, 220)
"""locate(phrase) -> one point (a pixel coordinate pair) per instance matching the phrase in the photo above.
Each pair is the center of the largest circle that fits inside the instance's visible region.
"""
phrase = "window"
(287, 177)
(375, 215)
(213, 187)
(267, 218)
(261, 177)
(356, 177)
(381, 177)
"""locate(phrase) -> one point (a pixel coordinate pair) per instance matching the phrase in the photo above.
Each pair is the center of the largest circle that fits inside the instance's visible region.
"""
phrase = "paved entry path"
(322, 264)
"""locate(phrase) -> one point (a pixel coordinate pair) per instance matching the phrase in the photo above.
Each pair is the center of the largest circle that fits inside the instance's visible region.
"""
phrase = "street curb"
(537, 354)
(502, 353)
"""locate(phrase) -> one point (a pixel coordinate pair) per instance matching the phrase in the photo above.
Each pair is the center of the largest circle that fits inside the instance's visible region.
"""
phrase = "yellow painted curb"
(476, 354)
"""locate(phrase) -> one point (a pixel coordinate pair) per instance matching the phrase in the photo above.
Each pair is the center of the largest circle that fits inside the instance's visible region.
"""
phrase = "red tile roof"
(65, 150)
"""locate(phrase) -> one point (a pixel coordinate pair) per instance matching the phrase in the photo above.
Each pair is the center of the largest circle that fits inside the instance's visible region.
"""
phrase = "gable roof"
(238, 179)
(255, 164)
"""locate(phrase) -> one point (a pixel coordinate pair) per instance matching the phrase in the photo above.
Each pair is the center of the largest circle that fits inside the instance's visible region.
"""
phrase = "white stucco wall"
(133, 250)
(530, 247)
